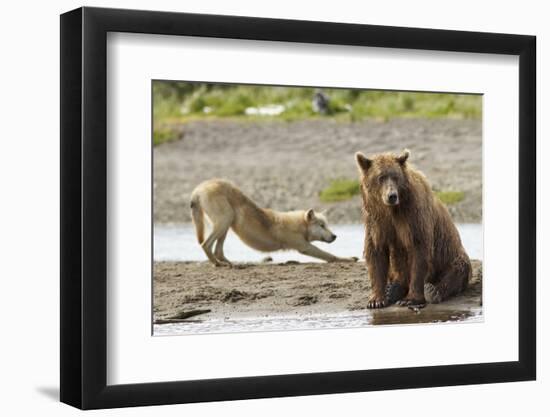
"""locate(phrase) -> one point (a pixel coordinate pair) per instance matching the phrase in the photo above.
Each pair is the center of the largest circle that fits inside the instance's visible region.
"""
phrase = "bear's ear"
(310, 215)
(363, 162)
(404, 156)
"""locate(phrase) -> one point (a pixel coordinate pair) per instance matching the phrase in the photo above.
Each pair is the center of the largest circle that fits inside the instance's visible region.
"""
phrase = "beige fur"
(265, 230)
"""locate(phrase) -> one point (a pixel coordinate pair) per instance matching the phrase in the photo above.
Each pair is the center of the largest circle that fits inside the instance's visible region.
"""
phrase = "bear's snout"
(332, 238)
(393, 198)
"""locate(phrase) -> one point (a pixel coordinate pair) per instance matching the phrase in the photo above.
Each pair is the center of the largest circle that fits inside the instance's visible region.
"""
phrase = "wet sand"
(290, 290)
(284, 165)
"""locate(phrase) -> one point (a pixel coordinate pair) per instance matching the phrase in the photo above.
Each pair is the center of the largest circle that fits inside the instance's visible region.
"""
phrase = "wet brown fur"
(412, 249)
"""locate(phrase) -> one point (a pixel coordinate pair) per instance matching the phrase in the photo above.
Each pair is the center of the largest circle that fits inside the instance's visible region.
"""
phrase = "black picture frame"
(84, 207)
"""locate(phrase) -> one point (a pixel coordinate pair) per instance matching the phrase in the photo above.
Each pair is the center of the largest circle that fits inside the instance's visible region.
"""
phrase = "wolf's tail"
(198, 218)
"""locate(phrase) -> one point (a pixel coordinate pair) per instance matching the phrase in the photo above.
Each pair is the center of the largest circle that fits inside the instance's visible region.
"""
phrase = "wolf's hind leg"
(218, 251)
(218, 230)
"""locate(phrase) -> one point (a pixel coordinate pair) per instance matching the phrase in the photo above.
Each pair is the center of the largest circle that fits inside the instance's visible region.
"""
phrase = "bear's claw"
(375, 303)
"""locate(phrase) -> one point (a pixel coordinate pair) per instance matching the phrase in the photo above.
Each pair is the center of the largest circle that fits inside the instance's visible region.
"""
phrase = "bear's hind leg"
(452, 283)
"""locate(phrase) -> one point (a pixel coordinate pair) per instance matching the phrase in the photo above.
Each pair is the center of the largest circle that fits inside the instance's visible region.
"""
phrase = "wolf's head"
(317, 227)
(383, 176)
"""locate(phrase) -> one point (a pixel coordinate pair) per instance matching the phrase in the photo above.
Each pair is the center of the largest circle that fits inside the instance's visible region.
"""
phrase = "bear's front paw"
(376, 302)
(394, 292)
(432, 294)
(412, 302)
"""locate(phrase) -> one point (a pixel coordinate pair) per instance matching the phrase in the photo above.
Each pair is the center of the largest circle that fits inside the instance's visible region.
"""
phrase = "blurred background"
(175, 102)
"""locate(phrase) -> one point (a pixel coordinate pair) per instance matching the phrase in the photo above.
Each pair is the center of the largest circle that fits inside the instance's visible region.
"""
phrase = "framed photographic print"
(257, 207)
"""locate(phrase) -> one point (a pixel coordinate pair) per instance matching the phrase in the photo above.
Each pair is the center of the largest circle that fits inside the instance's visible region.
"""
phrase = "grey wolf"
(263, 229)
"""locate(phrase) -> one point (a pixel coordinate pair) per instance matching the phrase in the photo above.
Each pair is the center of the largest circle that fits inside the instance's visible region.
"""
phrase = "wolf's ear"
(363, 162)
(404, 156)
(310, 215)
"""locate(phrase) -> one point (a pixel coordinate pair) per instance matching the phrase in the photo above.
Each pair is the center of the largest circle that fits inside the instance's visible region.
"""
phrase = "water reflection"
(364, 318)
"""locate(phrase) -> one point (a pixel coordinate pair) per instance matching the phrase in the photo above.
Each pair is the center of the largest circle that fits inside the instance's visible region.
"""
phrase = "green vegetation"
(344, 189)
(339, 190)
(178, 102)
(450, 197)
(164, 134)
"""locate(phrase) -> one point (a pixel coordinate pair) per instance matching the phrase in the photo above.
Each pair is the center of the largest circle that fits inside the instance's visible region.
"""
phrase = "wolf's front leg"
(311, 250)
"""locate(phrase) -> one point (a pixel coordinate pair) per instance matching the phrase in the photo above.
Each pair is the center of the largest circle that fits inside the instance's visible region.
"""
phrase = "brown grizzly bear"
(412, 247)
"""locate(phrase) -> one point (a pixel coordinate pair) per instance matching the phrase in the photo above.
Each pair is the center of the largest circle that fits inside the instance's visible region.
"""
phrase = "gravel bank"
(284, 165)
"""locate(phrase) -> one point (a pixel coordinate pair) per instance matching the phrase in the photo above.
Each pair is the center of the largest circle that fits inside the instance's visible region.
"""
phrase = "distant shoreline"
(285, 165)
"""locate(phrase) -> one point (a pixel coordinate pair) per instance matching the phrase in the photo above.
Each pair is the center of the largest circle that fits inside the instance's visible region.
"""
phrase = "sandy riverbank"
(299, 290)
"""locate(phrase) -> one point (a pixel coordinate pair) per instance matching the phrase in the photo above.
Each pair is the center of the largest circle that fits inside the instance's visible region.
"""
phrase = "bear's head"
(383, 176)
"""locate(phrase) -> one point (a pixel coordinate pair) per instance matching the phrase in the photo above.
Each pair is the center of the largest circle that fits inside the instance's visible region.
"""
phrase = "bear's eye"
(382, 178)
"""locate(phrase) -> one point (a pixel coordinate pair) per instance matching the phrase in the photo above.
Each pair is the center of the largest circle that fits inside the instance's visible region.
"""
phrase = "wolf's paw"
(223, 263)
(376, 302)
(432, 294)
(412, 302)
(350, 259)
(394, 292)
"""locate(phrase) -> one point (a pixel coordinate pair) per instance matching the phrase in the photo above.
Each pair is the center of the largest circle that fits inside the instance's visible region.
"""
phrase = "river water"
(178, 243)
(433, 314)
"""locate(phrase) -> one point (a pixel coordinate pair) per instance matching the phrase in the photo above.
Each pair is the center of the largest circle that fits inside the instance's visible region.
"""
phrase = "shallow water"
(363, 318)
(178, 243)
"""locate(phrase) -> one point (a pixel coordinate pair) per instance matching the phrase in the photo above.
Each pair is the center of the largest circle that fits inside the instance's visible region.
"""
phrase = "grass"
(178, 102)
(450, 197)
(339, 190)
(344, 189)
(165, 134)
(218, 101)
